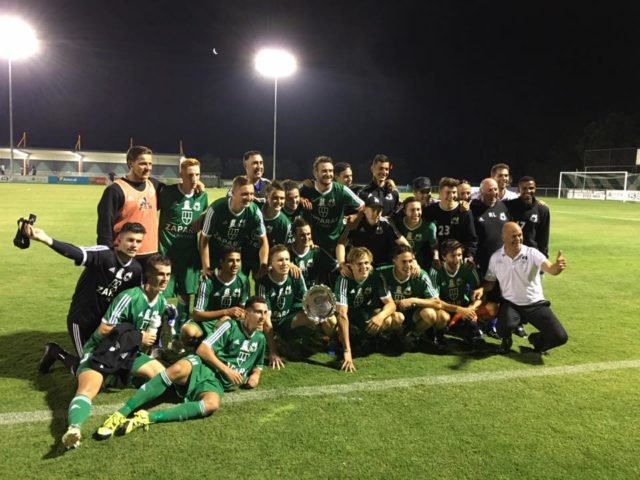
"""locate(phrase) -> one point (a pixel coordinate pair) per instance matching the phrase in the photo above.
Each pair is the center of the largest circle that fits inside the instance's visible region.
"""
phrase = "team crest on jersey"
(455, 220)
(187, 213)
(379, 230)
(503, 217)
(331, 202)
(358, 299)
(234, 228)
(144, 204)
(534, 218)
(226, 298)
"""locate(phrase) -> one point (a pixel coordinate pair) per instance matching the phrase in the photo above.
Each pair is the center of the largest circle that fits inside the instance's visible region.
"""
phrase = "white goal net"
(619, 185)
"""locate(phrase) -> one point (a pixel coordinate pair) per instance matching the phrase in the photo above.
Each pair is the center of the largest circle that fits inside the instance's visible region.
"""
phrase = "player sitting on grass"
(107, 272)
(232, 355)
(220, 296)
(421, 235)
(363, 304)
(141, 306)
(454, 282)
(415, 297)
(284, 295)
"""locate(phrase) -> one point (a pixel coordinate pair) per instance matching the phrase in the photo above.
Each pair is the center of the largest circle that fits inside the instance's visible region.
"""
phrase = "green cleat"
(71, 439)
(139, 420)
(110, 425)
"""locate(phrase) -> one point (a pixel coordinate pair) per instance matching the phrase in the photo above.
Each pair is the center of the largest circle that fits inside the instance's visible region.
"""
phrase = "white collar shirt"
(519, 277)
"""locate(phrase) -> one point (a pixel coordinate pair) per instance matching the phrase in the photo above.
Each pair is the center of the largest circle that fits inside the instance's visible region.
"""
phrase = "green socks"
(79, 410)
(147, 392)
(185, 411)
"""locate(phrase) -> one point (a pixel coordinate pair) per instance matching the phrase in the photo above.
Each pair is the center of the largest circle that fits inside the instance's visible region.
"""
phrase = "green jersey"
(177, 235)
(454, 287)
(297, 213)
(315, 264)
(370, 292)
(327, 212)
(130, 306)
(284, 298)
(214, 294)
(237, 349)
(418, 287)
(225, 228)
(278, 229)
(420, 237)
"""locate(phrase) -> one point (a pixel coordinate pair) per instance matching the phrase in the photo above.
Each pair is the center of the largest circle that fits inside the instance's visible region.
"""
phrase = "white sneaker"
(71, 439)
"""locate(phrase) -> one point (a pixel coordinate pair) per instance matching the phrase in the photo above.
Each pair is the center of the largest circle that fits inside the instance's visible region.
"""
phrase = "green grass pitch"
(419, 415)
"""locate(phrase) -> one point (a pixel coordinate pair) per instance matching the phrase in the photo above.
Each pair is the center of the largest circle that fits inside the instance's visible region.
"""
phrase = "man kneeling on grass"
(232, 355)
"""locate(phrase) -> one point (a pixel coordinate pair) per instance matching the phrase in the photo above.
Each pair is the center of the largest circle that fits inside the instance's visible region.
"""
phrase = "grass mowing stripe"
(370, 386)
(590, 215)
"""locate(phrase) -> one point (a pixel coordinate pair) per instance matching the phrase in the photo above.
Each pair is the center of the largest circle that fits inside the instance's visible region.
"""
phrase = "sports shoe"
(176, 346)
(521, 332)
(71, 439)
(49, 357)
(490, 331)
(110, 425)
(505, 346)
(139, 420)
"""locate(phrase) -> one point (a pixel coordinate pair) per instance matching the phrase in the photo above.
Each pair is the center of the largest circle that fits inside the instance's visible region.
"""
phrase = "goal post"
(610, 185)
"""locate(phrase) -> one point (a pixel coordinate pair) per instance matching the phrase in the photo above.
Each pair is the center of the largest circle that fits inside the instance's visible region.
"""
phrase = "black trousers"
(551, 332)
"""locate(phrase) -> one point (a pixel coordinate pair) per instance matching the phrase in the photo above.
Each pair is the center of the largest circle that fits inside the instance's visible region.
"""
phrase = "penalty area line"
(234, 398)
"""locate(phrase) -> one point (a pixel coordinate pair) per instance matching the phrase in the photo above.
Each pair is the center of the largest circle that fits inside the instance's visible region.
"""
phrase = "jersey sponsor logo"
(331, 202)
(534, 218)
(144, 204)
(503, 217)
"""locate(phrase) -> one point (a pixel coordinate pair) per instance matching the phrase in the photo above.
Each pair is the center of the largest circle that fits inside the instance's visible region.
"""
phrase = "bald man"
(517, 268)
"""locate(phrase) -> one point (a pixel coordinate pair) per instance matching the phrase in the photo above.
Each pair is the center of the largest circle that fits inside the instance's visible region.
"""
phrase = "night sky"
(443, 88)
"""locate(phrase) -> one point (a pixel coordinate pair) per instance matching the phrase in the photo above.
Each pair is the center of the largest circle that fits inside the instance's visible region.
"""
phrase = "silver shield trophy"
(319, 303)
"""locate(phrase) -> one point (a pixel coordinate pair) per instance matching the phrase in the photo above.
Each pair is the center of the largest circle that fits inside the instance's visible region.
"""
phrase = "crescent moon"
(214, 52)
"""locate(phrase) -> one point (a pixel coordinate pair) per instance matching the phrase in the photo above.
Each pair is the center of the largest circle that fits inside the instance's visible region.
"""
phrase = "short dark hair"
(321, 159)
(227, 250)
(251, 301)
(526, 178)
(247, 155)
(450, 245)
(448, 182)
(499, 166)
(275, 185)
(290, 185)
(380, 158)
(277, 249)
(409, 200)
(153, 261)
(340, 167)
(299, 223)
(400, 249)
(133, 227)
(466, 182)
(134, 152)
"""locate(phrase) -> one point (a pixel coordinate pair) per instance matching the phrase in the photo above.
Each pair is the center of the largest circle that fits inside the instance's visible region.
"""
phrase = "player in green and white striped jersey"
(232, 355)
(141, 306)
(220, 297)
(363, 303)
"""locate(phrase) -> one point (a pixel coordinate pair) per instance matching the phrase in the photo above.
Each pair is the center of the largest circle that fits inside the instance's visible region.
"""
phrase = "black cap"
(373, 202)
(421, 183)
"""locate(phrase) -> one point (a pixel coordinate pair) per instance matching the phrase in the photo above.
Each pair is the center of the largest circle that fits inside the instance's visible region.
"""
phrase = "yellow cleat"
(139, 420)
(110, 425)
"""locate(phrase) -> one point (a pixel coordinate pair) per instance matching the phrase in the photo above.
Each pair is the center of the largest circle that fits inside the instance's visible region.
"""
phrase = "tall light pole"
(275, 63)
(17, 40)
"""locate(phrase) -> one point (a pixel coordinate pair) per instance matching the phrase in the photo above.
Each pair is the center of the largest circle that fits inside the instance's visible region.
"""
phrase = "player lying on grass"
(232, 355)
(107, 272)
(363, 304)
(141, 306)
(284, 294)
(221, 296)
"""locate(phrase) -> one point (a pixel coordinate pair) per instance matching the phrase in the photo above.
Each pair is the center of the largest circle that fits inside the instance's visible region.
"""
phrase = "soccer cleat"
(71, 439)
(49, 357)
(139, 420)
(505, 346)
(110, 425)
(521, 332)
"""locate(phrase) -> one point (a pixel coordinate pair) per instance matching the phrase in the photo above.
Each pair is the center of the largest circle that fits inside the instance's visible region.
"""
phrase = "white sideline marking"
(606, 217)
(14, 418)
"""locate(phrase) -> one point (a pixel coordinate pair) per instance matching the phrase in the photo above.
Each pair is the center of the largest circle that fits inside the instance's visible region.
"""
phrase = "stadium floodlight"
(275, 63)
(17, 41)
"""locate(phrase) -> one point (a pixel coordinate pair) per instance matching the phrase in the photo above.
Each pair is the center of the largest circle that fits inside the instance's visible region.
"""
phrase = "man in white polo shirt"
(517, 268)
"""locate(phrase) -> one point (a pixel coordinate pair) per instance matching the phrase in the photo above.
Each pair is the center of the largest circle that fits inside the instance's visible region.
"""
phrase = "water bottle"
(154, 325)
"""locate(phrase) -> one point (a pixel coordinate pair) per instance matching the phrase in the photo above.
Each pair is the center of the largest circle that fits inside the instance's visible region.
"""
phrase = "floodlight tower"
(275, 63)
(17, 41)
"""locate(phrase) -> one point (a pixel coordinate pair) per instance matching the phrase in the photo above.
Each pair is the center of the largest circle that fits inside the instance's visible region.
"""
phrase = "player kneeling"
(141, 306)
(363, 303)
(232, 355)
(284, 295)
(220, 297)
(416, 300)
